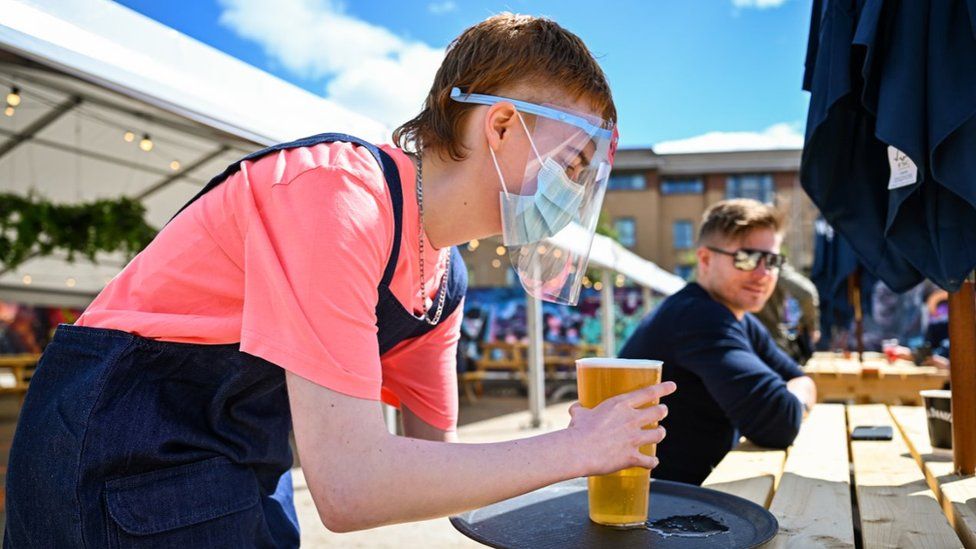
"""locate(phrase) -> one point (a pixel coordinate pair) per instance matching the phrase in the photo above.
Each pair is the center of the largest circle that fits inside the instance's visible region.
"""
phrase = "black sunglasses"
(748, 260)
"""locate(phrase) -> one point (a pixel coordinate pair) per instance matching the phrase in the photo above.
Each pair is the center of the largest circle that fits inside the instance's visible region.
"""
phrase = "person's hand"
(934, 299)
(815, 337)
(939, 362)
(609, 436)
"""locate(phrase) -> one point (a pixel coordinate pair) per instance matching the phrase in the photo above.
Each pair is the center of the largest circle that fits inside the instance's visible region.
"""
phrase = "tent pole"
(36, 126)
(536, 372)
(156, 187)
(962, 360)
(607, 307)
(391, 418)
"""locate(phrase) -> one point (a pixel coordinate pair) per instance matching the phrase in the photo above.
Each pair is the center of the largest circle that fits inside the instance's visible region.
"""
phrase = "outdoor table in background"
(22, 367)
(502, 361)
(906, 494)
(874, 380)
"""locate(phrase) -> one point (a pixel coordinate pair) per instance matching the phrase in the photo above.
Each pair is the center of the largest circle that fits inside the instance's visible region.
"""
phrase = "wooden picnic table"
(904, 492)
(873, 381)
(22, 366)
(502, 361)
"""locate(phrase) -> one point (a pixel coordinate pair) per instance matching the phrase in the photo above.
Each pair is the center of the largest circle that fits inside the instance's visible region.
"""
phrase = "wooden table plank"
(749, 472)
(813, 501)
(957, 494)
(896, 506)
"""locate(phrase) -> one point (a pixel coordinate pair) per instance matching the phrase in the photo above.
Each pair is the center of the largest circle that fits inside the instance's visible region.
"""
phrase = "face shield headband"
(567, 164)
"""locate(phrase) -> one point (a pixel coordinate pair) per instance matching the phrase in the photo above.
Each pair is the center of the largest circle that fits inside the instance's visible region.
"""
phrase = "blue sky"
(686, 74)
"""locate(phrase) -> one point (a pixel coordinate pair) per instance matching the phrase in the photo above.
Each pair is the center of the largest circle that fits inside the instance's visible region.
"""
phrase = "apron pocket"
(182, 504)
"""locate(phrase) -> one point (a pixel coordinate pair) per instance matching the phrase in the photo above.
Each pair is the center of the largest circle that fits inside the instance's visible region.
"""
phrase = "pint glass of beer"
(618, 499)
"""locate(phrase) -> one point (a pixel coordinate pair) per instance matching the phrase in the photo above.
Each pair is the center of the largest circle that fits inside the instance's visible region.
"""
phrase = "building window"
(682, 186)
(684, 237)
(685, 271)
(758, 187)
(626, 182)
(626, 229)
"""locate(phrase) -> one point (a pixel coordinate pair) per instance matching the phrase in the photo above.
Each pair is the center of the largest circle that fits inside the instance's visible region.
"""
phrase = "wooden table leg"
(962, 360)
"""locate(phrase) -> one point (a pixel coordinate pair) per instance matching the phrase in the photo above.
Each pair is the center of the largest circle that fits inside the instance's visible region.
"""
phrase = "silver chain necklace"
(447, 267)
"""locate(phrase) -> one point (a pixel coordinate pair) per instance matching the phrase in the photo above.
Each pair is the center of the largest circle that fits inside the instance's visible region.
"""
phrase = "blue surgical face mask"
(555, 203)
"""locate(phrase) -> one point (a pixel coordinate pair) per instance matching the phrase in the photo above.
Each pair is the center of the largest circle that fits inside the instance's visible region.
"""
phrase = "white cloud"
(758, 4)
(777, 136)
(365, 67)
(438, 8)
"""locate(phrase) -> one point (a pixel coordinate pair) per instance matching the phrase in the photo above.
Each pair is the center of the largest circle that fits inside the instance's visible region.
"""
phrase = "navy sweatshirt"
(731, 380)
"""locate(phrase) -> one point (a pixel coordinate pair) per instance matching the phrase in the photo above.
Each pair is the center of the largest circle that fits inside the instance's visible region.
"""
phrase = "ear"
(704, 257)
(498, 121)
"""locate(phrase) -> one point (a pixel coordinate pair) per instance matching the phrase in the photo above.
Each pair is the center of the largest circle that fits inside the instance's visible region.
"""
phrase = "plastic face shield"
(550, 216)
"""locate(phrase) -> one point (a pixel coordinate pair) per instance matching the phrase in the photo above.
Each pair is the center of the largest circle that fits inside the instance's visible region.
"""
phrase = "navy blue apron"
(125, 441)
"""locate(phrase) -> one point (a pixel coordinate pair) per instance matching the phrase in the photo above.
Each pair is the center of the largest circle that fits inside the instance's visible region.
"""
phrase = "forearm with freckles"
(426, 479)
(361, 476)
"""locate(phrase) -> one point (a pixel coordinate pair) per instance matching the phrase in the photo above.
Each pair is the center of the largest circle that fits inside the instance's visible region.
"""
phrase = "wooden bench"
(750, 472)
(562, 357)
(509, 361)
(22, 369)
(499, 361)
(904, 494)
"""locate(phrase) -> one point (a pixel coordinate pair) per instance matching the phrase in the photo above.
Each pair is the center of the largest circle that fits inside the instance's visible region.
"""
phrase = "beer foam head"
(599, 362)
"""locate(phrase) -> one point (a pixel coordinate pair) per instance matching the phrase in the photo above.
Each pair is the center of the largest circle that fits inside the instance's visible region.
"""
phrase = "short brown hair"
(734, 219)
(504, 51)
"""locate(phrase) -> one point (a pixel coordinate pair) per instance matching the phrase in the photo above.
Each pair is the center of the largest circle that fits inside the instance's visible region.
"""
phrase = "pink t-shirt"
(285, 258)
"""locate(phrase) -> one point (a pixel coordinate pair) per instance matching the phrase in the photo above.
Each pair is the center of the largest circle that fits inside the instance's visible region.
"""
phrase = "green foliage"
(604, 227)
(32, 225)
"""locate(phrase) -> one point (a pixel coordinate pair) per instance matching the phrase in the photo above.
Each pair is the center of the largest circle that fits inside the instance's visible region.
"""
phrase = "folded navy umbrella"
(833, 262)
(890, 153)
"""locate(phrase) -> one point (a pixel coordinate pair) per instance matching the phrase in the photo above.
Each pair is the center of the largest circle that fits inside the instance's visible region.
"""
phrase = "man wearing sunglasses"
(734, 380)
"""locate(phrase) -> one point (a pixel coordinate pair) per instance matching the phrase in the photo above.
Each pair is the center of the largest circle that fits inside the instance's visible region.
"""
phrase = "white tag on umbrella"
(904, 172)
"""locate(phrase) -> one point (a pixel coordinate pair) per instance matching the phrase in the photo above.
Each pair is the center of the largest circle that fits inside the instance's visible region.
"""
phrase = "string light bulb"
(146, 143)
(473, 245)
(500, 250)
(129, 137)
(13, 98)
(496, 263)
(70, 282)
(9, 111)
(598, 285)
(174, 165)
(28, 279)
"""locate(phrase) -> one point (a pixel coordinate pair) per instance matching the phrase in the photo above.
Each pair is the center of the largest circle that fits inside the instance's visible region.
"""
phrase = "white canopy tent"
(88, 71)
